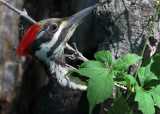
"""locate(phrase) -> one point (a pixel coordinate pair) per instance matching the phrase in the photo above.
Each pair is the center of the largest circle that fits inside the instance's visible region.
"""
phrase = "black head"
(47, 38)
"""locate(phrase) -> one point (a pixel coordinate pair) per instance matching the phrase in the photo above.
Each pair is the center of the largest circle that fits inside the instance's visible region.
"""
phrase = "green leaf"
(155, 92)
(91, 68)
(149, 70)
(145, 75)
(137, 87)
(145, 102)
(151, 84)
(100, 84)
(99, 88)
(119, 65)
(119, 105)
(118, 74)
(130, 59)
(77, 80)
(123, 78)
(130, 80)
(158, 2)
(155, 65)
(150, 78)
(119, 77)
(104, 57)
(92, 64)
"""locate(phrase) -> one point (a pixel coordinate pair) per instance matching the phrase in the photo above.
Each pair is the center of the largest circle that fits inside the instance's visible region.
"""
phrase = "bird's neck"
(56, 70)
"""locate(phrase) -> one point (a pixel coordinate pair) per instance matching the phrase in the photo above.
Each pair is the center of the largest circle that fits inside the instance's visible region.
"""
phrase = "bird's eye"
(53, 27)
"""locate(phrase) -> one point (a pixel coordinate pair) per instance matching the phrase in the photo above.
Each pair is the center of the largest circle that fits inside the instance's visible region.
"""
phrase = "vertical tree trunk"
(126, 24)
(10, 72)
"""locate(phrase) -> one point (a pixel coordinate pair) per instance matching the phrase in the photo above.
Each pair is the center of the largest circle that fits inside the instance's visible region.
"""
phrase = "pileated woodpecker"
(46, 40)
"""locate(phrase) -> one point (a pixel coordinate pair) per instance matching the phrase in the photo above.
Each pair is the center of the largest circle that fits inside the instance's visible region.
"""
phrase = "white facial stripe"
(54, 38)
(41, 33)
(67, 38)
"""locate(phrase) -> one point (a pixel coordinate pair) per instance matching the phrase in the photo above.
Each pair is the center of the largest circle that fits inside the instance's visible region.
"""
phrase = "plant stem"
(128, 96)
(147, 40)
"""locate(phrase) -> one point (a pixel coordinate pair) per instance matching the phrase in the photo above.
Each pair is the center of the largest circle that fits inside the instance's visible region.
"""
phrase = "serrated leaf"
(119, 65)
(104, 57)
(155, 92)
(100, 84)
(77, 80)
(145, 75)
(91, 68)
(130, 59)
(149, 78)
(118, 74)
(119, 105)
(149, 70)
(155, 65)
(99, 88)
(123, 78)
(145, 102)
(151, 84)
(92, 64)
(130, 80)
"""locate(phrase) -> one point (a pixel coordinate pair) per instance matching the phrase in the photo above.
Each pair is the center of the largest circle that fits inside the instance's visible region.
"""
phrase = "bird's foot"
(76, 54)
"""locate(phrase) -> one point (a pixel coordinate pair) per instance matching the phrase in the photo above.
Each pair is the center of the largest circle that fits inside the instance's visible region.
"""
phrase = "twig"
(70, 67)
(125, 88)
(21, 13)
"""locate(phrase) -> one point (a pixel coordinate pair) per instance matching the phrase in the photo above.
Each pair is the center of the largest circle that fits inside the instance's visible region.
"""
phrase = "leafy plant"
(120, 105)
(104, 73)
(101, 73)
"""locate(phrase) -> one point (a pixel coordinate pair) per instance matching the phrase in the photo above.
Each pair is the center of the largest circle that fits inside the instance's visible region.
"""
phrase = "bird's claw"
(76, 54)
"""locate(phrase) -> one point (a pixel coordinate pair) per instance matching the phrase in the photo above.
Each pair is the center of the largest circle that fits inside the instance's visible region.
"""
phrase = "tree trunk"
(126, 24)
(10, 71)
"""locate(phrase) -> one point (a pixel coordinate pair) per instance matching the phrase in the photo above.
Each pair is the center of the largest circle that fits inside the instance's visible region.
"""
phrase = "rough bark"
(10, 71)
(126, 24)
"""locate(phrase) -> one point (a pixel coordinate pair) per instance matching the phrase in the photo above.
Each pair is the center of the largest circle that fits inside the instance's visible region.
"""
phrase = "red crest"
(24, 47)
